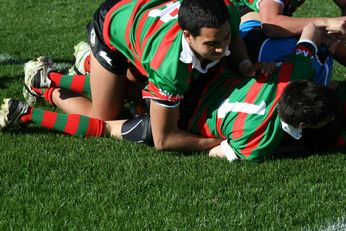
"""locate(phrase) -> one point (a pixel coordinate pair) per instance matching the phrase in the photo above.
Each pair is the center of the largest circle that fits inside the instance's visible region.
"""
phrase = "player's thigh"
(107, 91)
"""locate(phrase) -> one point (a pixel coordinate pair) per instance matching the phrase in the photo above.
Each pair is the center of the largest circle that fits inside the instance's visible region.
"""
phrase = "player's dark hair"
(304, 101)
(195, 14)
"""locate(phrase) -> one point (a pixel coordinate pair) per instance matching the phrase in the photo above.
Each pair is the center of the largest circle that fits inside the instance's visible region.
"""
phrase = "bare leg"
(107, 92)
(71, 102)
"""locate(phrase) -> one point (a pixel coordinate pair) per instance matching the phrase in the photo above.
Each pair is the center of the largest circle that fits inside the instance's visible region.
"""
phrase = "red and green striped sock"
(76, 83)
(39, 91)
(47, 94)
(72, 124)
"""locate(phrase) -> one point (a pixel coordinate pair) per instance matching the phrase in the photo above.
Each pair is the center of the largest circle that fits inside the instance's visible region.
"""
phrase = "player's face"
(211, 43)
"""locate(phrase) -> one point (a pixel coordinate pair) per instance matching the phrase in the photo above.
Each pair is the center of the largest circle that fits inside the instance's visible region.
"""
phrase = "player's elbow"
(273, 28)
(270, 29)
(161, 143)
(165, 141)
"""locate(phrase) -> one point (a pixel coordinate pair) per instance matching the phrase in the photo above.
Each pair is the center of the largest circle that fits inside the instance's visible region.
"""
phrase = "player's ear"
(188, 36)
(302, 125)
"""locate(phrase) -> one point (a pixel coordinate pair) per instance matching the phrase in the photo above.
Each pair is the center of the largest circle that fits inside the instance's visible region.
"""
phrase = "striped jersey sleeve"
(148, 34)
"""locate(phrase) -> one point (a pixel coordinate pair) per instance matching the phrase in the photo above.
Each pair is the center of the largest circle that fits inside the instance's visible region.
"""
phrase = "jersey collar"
(296, 133)
(188, 56)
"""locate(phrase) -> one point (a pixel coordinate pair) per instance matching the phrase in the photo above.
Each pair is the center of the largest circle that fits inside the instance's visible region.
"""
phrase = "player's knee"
(104, 112)
(138, 129)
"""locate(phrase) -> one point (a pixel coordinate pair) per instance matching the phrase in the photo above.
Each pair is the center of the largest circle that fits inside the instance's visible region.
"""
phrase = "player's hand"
(249, 70)
(265, 68)
(331, 41)
(216, 152)
(246, 68)
(336, 25)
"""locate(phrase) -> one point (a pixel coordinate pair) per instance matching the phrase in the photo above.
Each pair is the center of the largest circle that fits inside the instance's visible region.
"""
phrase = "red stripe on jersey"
(203, 127)
(158, 94)
(255, 139)
(219, 121)
(213, 77)
(239, 122)
(139, 66)
(107, 22)
(127, 35)
(198, 105)
(218, 127)
(49, 118)
(140, 45)
(139, 30)
(228, 2)
(174, 12)
(164, 46)
(72, 123)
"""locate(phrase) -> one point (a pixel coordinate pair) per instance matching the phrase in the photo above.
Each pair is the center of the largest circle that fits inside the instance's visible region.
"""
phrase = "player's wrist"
(244, 62)
(246, 67)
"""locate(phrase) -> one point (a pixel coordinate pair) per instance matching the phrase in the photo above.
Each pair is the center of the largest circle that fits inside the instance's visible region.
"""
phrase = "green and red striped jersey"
(244, 110)
(288, 6)
(148, 34)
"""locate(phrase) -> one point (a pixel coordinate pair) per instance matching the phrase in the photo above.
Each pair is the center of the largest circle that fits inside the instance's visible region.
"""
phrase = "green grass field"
(50, 181)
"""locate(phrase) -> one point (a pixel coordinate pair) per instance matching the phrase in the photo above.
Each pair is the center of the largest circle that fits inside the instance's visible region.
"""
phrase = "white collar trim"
(188, 56)
(296, 133)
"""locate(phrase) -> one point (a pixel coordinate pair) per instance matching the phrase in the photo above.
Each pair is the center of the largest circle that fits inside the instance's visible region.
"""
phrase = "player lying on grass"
(270, 33)
(171, 43)
(251, 116)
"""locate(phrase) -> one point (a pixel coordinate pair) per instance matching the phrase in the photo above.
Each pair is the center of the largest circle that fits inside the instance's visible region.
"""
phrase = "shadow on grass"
(305, 153)
(8, 80)
(314, 142)
(9, 60)
(32, 130)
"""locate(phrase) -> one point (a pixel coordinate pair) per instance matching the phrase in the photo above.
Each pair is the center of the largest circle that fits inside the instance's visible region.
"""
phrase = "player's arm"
(336, 44)
(167, 136)
(311, 33)
(277, 25)
(240, 57)
(164, 133)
